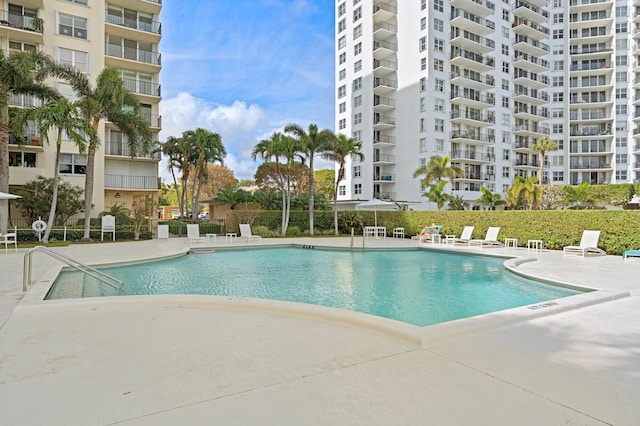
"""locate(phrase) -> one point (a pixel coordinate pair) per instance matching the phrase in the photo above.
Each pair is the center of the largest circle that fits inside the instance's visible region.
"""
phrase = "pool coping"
(424, 336)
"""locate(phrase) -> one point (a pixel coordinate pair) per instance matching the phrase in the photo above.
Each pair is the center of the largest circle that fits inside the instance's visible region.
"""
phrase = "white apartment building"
(481, 81)
(90, 35)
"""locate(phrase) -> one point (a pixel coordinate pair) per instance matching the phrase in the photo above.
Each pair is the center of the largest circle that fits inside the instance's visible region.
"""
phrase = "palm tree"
(63, 116)
(436, 169)
(107, 100)
(339, 150)
(313, 141)
(524, 192)
(179, 150)
(543, 145)
(207, 149)
(436, 194)
(21, 73)
(490, 199)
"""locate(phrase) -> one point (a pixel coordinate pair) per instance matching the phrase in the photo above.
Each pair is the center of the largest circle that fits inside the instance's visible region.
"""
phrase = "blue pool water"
(417, 287)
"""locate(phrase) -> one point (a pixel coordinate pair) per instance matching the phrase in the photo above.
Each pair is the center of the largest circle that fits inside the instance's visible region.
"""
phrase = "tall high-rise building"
(481, 82)
(90, 35)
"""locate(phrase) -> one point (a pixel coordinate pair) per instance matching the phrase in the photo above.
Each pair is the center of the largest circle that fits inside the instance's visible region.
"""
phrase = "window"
(357, 13)
(505, 32)
(558, 18)
(357, 66)
(342, 74)
(438, 5)
(505, 15)
(342, 91)
(357, 49)
(505, 49)
(439, 85)
(558, 65)
(558, 128)
(423, 64)
(621, 175)
(342, 9)
(505, 84)
(422, 144)
(560, 143)
(423, 84)
(342, 107)
(438, 104)
(74, 58)
(558, 177)
(621, 43)
(621, 158)
(72, 164)
(505, 172)
(621, 12)
(67, 91)
(438, 25)
(439, 147)
(357, 118)
(342, 190)
(357, 171)
(621, 93)
(505, 102)
(438, 45)
(342, 42)
(357, 31)
(342, 25)
(506, 137)
(357, 84)
(22, 159)
(506, 119)
(621, 60)
(621, 76)
(557, 160)
(423, 104)
(342, 123)
(557, 81)
(422, 44)
(439, 125)
(621, 109)
(357, 135)
(621, 27)
(621, 126)
(558, 96)
(558, 49)
(505, 154)
(557, 3)
(438, 64)
(505, 67)
(342, 58)
(357, 101)
(72, 26)
(357, 188)
(423, 125)
(558, 34)
(423, 24)
(423, 4)
(77, 1)
(557, 112)
(621, 142)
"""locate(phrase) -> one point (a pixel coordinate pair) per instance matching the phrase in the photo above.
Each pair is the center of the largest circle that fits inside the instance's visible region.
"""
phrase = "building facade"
(482, 81)
(90, 35)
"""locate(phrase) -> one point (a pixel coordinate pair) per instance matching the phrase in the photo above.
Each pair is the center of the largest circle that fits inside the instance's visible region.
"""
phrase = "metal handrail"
(93, 272)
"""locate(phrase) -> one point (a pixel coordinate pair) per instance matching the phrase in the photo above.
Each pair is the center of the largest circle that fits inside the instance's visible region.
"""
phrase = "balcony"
(531, 46)
(530, 79)
(384, 49)
(586, 5)
(383, 85)
(530, 96)
(466, 20)
(384, 178)
(530, 63)
(384, 67)
(133, 54)
(599, 130)
(590, 165)
(141, 87)
(474, 156)
(468, 40)
(384, 159)
(130, 182)
(122, 149)
(533, 113)
(24, 100)
(526, 163)
(589, 50)
(25, 28)
(472, 136)
(384, 140)
(472, 118)
(30, 138)
(384, 30)
(471, 60)
(529, 11)
(590, 66)
(383, 11)
(381, 103)
(154, 120)
(489, 177)
(472, 99)
(531, 29)
(386, 196)
(134, 23)
(472, 79)
(481, 8)
(382, 122)
(531, 130)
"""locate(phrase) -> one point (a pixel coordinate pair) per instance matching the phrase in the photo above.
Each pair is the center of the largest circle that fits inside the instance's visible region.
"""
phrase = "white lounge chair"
(245, 232)
(588, 245)
(193, 234)
(465, 237)
(7, 239)
(491, 239)
(433, 237)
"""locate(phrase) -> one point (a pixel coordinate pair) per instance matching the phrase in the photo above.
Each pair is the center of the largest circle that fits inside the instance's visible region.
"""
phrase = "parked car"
(203, 216)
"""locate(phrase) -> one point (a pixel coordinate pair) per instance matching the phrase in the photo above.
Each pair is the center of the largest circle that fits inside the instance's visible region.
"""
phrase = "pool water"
(414, 286)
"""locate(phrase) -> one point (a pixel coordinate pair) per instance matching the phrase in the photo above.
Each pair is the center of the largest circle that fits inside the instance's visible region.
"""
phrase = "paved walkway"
(207, 360)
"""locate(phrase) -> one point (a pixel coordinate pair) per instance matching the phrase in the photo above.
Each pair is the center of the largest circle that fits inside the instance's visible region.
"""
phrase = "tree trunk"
(311, 155)
(335, 210)
(54, 197)
(4, 166)
(541, 167)
(88, 190)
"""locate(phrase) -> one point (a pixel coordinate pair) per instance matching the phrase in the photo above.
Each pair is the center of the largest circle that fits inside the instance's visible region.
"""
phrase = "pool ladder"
(93, 272)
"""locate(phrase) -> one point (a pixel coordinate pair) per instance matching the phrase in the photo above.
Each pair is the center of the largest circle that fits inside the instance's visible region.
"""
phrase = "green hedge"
(620, 229)
(205, 227)
(124, 232)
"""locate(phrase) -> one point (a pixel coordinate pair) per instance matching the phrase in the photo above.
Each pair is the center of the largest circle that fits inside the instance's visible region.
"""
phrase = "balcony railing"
(383, 119)
(154, 120)
(472, 155)
(382, 101)
(385, 177)
(473, 56)
(385, 139)
(387, 196)
(30, 137)
(532, 59)
(532, 42)
(146, 56)
(486, 118)
(487, 99)
(142, 87)
(473, 18)
(535, 94)
(386, 7)
(130, 182)
(123, 149)
(21, 22)
(475, 76)
(480, 137)
(24, 100)
(136, 24)
(382, 44)
(522, 21)
(536, 9)
(384, 158)
(532, 128)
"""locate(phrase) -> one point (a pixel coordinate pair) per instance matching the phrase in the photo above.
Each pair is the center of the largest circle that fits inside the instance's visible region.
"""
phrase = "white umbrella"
(5, 196)
(374, 205)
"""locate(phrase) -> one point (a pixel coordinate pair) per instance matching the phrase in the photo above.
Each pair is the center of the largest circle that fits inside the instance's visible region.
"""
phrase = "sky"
(244, 69)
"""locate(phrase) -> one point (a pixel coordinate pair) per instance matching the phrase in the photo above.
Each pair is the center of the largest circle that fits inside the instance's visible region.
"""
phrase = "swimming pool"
(414, 286)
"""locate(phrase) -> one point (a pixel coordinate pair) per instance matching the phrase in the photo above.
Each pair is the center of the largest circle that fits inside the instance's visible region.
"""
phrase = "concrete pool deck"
(198, 360)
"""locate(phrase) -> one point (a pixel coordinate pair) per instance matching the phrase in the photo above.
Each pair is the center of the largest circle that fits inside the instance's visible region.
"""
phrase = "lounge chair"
(491, 239)
(465, 237)
(588, 245)
(245, 232)
(193, 234)
(431, 236)
(630, 254)
(7, 239)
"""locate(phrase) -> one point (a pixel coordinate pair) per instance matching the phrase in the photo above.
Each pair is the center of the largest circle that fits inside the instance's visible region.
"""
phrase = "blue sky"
(244, 69)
